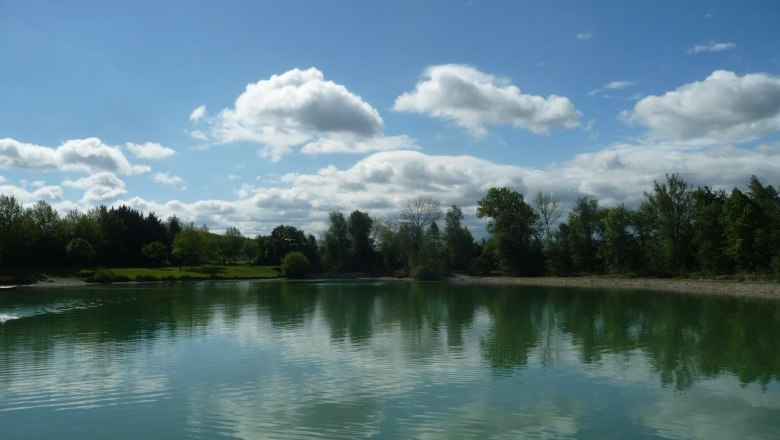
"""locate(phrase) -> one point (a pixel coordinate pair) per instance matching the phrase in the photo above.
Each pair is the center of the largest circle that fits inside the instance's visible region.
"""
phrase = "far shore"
(757, 289)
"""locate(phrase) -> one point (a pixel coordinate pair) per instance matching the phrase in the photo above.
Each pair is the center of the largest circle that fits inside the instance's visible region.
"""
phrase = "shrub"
(295, 265)
(103, 275)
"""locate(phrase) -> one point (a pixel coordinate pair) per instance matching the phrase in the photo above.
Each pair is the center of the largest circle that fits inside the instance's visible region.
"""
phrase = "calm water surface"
(385, 359)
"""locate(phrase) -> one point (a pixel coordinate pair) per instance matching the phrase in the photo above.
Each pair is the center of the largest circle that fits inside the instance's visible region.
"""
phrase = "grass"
(205, 271)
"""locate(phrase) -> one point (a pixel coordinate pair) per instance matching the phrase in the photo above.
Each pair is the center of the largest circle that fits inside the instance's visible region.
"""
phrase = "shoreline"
(754, 289)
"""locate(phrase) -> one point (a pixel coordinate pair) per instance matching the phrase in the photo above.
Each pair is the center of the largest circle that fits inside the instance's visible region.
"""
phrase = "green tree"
(295, 265)
(80, 252)
(431, 264)
(191, 245)
(673, 207)
(250, 250)
(709, 237)
(584, 235)
(359, 227)
(336, 242)
(230, 244)
(513, 224)
(416, 215)
(155, 252)
(619, 243)
(459, 245)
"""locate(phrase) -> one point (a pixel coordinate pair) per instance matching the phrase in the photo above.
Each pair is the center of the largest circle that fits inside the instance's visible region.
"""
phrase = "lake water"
(385, 359)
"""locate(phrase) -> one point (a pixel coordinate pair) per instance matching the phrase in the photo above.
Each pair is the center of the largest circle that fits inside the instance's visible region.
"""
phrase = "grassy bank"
(183, 273)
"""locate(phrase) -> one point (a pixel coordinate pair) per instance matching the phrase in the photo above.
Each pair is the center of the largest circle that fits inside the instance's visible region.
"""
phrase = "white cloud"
(167, 179)
(150, 150)
(585, 36)
(328, 145)
(612, 85)
(49, 193)
(198, 113)
(473, 100)
(711, 46)
(294, 108)
(81, 155)
(100, 187)
(722, 108)
(380, 182)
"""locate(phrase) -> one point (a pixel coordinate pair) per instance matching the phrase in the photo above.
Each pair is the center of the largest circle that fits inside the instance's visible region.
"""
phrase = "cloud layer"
(380, 182)
(80, 155)
(474, 100)
(724, 107)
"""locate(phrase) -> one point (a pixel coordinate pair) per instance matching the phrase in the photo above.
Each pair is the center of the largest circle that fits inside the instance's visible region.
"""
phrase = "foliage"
(155, 252)
(80, 252)
(431, 263)
(336, 242)
(361, 244)
(513, 224)
(295, 265)
(459, 246)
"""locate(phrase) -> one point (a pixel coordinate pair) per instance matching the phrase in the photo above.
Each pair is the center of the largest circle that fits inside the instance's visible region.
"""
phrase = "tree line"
(675, 231)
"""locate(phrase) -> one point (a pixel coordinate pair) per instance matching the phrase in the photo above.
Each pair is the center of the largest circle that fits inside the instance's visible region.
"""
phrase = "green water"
(387, 360)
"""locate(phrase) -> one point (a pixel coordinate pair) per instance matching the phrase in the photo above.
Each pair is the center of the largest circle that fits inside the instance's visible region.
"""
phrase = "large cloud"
(81, 155)
(380, 182)
(100, 187)
(294, 108)
(474, 100)
(722, 108)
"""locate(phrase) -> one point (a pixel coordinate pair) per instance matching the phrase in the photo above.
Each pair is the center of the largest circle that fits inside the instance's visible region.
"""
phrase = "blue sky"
(253, 114)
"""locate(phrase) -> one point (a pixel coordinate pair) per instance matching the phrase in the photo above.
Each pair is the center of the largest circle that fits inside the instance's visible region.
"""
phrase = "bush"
(295, 265)
(429, 271)
(103, 275)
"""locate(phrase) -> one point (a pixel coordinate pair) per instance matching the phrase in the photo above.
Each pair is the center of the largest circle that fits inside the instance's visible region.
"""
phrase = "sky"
(254, 114)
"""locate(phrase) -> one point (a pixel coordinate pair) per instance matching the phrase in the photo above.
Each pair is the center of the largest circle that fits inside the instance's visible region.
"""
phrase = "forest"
(676, 231)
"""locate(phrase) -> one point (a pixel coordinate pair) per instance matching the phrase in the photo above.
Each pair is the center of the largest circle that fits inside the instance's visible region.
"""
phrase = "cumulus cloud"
(167, 179)
(150, 150)
(49, 193)
(473, 100)
(198, 113)
(711, 46)
(80, 155)
(100, 187)
(724, 107)
(291, 109)
(380, 182)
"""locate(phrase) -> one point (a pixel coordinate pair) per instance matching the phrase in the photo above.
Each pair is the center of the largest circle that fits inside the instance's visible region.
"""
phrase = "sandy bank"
(708, 287)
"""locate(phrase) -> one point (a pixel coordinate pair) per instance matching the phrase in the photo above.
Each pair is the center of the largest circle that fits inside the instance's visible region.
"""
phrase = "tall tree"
(418, 213)
(230, 244)
(547, 206)
(709, 237)
(585, 234)
(619, 243)
(336, 242)
(459, 245)
(673, 208)
(513, 224)
(361, 244)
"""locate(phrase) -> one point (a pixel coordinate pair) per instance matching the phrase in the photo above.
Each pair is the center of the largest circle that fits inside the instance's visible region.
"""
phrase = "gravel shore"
(708, 287)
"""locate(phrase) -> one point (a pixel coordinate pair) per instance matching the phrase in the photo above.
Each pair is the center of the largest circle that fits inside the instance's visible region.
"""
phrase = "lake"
(389, 359)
